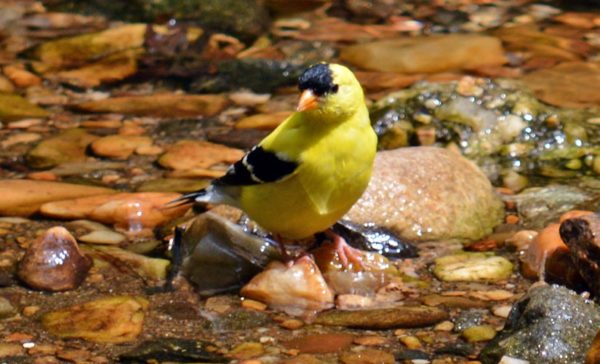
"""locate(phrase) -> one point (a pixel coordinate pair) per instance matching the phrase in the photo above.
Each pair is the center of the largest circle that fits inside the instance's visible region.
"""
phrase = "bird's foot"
(350, 258)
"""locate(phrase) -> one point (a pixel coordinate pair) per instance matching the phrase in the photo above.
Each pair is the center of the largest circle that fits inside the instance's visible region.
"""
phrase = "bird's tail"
(188, 198)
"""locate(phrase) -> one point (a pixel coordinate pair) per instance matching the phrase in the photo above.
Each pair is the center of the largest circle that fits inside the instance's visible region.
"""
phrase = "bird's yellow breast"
(334, 170)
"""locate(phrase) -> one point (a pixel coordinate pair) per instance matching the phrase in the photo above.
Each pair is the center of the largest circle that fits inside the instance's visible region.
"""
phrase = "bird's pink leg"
(350, 258)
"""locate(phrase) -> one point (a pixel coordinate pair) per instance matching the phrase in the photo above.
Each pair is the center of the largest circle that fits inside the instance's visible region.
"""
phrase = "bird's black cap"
(319, 79)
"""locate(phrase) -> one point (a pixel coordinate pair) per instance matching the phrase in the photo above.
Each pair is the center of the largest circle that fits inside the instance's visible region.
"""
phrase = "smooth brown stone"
(161, 105)
(54, 262)
(191, 155)
(321, 343)
(66, 147)
(115, 319)
(385, 318)
(128, 211)
(24, 197)
(119, 146)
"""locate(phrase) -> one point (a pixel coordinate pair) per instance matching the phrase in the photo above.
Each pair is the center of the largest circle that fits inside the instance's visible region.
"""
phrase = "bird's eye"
(334, 89)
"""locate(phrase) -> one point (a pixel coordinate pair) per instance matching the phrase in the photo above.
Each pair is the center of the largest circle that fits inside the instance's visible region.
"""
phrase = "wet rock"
(111, 69)
(24, 197)
(221, 256)
(246, 350)
(423, 54)
(427, 194)
(80, 50)
(299, 289)
(581, 235)
(172, 350)
(66, 147)
(321, 343)
(20, 77)
(367, 356)
(471, 267)
(373, 238)
(539, 206)
(130, 212)
(14, 107)
(54, 262)
(385, 318)
(479, 333)
(263, 121)
(119, 146)
(12, 351)
(570, 84)
(453, 301)
(180, 185)
(115, 319)
(105, 237)
(6, 308)
(141, 265)
(190, 154)
(551, 324)
(159, 105)
(258, 75)
(593, 354)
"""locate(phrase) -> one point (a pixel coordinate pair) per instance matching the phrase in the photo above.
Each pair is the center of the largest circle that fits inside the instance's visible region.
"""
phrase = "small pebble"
(292, 324)
(29, 311)
(371, 340)
(444, 326)
(502, 310)
(253, 305)
(411, 342)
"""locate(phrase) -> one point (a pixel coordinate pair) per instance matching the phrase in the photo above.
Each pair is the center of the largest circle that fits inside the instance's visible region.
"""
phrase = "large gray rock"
(426, 193)
(550, 325)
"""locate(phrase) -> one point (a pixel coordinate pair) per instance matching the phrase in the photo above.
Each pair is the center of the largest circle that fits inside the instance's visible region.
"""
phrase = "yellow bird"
(306, 174)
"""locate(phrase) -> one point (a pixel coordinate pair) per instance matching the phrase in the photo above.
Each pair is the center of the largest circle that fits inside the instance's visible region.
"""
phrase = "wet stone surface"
(111, 109)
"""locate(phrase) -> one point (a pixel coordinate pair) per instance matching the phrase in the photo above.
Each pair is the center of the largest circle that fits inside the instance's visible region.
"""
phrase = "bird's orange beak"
(308, 101)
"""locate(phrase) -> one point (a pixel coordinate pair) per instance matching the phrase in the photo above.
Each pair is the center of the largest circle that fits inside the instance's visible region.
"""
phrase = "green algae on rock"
(115, 319)
(472, 267)
(14, 107)
(66, 147)
(498, 124)
(147, 267)
(550, 325)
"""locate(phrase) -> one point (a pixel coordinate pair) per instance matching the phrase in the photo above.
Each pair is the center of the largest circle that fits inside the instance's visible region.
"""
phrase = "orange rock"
(24, 197)
(43, 176)
(574, 214)
(118, 146)
(128, 211)
(262, 121)
(546, 243)
(297, 289)
(20, 77)
(189, 154)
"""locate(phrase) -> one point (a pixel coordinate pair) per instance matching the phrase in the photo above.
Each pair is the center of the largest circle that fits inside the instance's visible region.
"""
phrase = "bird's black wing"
(256, 167)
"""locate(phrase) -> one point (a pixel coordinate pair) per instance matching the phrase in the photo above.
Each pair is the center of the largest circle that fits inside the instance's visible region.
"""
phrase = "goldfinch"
(312, 168)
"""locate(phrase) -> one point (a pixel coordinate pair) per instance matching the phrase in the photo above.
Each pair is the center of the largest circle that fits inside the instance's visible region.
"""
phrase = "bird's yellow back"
(335, 148)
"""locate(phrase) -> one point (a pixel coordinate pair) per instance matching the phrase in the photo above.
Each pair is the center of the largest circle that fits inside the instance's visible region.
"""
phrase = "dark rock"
(456, 349)
(412, 355)
(373, 238)
(245, 19)
(221, 256)
(54, 262)
(385, 318)
(468, 319)
(171, 350)
(582, 236)
(258, 75)
(550, 325)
